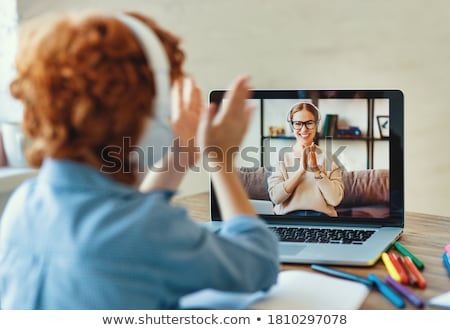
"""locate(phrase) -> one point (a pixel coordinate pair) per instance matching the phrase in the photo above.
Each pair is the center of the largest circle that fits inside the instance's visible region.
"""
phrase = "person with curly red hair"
(104, 98)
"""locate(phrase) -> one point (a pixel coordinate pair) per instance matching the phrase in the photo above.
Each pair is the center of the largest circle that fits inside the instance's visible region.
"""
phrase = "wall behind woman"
(321, 44)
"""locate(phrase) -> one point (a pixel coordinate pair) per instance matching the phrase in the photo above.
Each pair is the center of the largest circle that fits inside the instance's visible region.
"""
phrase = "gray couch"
(366, 192)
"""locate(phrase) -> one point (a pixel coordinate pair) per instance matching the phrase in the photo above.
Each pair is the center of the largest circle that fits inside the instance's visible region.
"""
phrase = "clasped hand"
(309, 158)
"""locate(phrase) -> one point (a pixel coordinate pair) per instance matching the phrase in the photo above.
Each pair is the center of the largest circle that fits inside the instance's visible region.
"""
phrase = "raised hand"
(185, 113)
(222, 129)
(186, 108)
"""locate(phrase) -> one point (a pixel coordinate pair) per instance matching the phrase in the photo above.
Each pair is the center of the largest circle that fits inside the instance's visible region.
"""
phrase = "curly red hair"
(85, 84)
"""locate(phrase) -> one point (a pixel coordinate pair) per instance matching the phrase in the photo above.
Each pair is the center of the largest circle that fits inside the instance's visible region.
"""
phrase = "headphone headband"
(156, 56)
(303, 102)
(158, 135)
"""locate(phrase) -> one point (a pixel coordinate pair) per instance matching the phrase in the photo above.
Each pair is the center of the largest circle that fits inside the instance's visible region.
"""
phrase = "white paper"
(295, 289)
(441, 301)
(215, 299)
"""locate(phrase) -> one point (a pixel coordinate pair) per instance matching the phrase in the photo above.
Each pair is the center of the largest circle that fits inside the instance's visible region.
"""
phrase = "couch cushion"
(255, 182)
(361, 188)
(365, 187)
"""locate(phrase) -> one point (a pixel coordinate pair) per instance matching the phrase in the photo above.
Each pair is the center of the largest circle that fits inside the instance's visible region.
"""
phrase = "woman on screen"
(306, 183)
(96, 229)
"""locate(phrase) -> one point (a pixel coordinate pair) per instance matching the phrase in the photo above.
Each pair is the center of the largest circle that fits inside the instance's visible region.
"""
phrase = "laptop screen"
(323, 155)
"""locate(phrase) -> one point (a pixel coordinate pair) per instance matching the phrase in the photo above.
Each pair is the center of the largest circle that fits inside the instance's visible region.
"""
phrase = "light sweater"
(321, 195)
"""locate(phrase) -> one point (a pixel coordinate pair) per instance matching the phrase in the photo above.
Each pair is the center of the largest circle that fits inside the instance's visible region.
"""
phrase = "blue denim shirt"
(73, 238)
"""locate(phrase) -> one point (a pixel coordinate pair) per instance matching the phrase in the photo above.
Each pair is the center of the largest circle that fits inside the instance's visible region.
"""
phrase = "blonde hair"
(85, 84)
(304, 106)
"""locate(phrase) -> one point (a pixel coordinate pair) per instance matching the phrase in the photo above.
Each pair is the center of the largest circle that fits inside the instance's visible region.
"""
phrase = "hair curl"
(85, 84)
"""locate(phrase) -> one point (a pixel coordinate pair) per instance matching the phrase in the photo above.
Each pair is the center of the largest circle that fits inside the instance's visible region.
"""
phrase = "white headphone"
(288, 117)
(158, 135)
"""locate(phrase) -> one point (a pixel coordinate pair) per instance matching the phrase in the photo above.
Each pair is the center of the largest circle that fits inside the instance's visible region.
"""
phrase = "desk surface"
(424, 235)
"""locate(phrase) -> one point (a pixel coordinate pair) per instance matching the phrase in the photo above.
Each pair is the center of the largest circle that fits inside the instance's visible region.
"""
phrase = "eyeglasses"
(297, 124)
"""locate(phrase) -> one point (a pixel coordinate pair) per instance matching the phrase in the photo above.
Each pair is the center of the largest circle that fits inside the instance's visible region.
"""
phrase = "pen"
(411, 278)
(386, 291)
(401, 272)
(341, 274)
(420, 280)
(390, 266)
(446, 260)
(400, 248)
(411, 297)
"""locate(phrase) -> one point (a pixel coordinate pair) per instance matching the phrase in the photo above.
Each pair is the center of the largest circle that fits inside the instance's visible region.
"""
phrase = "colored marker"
(387, 292)
(411, 278)
(401, 272)
(341, 274)
(420, 280)
(390, 267)
(446, 260)
(411, 297)
(447, 249)
(400, 248)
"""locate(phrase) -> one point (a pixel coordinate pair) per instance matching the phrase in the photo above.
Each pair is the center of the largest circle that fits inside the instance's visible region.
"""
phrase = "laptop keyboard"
(324, 235)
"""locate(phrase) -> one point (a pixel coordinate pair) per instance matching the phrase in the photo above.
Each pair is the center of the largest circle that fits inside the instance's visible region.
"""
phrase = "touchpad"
(290, 250)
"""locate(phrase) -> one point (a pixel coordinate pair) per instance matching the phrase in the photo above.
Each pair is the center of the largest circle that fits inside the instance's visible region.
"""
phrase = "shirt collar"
(74, 174)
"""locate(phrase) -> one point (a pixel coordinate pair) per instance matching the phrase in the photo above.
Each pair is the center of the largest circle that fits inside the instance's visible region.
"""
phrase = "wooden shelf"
(369, 139)
(280, 137)
(354, 138)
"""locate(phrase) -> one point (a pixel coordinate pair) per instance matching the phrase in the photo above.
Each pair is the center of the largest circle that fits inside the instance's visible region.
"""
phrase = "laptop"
(362, 132)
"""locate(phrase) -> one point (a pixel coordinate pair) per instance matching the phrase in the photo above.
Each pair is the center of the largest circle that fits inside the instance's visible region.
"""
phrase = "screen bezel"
(396, 152)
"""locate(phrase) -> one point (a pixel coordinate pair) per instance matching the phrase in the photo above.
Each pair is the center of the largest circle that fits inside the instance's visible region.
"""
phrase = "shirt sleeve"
(332, 186)
(242, 257)
(275, 184)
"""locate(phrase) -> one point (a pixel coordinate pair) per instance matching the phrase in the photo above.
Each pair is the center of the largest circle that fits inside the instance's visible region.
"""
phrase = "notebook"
(441, 301)
(294, 290)
(360, 139)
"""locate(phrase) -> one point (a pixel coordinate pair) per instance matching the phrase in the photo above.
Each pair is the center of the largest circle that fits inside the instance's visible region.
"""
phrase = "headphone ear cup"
(290, 126)
(289, 121)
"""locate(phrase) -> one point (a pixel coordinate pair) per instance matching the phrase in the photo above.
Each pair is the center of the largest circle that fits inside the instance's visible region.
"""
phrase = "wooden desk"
(424, 235)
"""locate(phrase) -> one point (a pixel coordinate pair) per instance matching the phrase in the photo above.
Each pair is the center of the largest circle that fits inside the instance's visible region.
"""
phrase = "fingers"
(233, 115)
(177, 99)
(195, 98)
(206, 118)
(305, 157)
(186, 96)
(324, 166)
(241, 89)
(188, 86)
(239, 83)
(310, 158)
(237, 95)
(313, 164)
